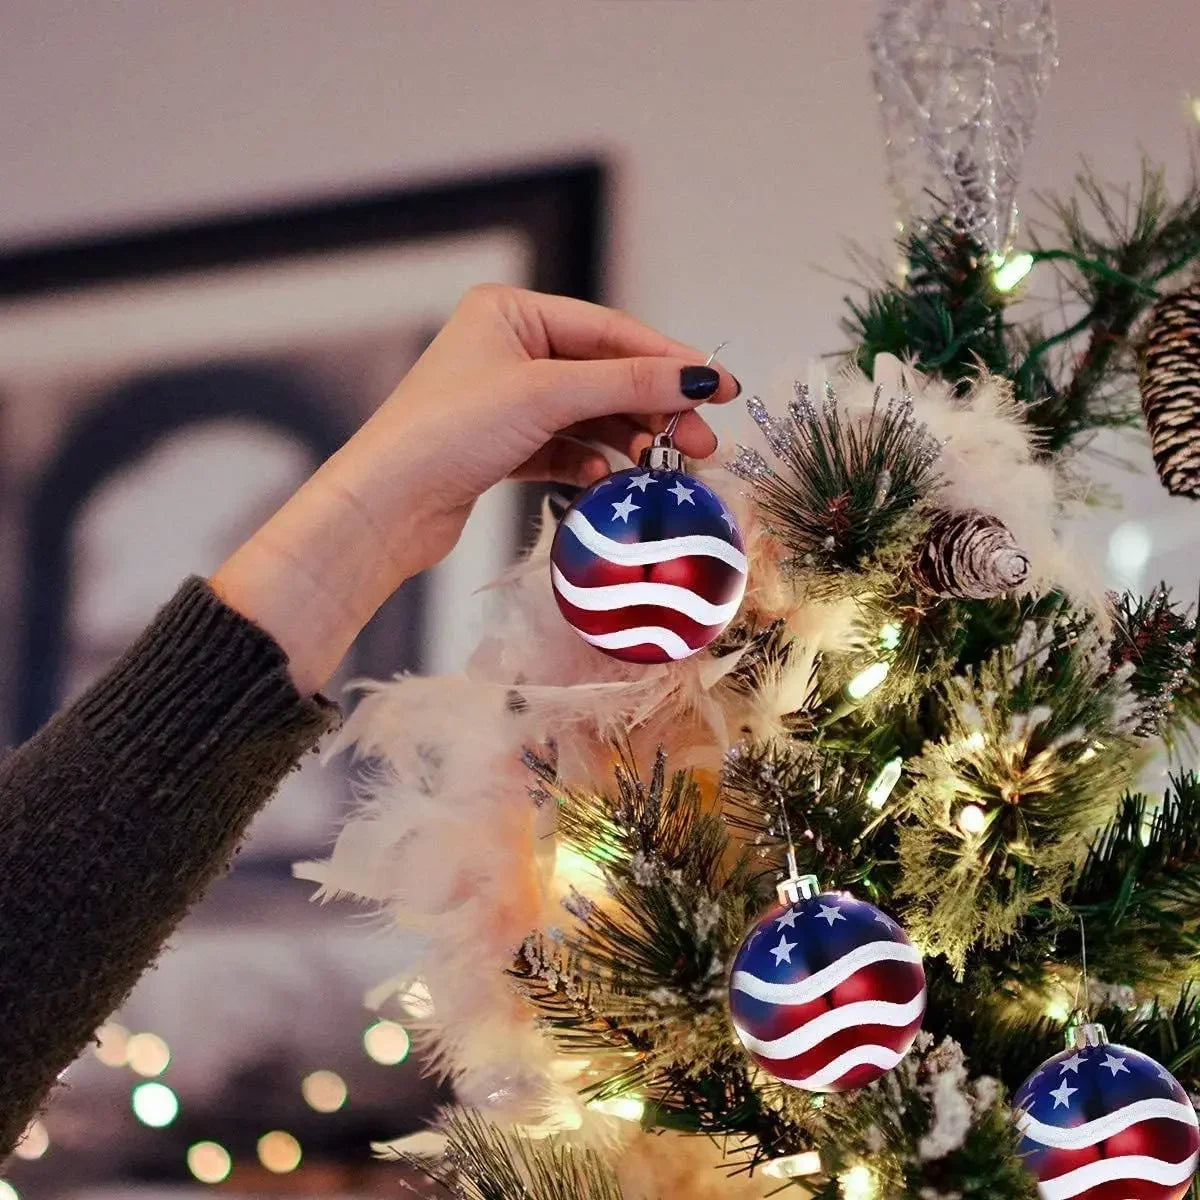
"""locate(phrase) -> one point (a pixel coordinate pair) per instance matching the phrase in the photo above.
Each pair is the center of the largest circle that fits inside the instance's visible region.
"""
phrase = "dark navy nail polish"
(698, 383)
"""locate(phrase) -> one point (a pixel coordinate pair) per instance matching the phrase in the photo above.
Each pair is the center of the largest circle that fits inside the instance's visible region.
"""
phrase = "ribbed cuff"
(202, 679)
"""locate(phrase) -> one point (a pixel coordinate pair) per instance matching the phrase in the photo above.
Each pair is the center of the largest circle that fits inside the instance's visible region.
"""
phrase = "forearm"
(116, 815)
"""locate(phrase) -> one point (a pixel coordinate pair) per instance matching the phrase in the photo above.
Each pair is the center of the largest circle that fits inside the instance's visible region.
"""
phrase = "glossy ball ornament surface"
(648, 565)
(1104, 1122)
(827, 994)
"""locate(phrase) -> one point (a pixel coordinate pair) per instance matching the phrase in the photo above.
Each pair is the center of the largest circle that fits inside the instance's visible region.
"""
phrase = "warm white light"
(890, 635)
(975, 742)
(1058, 1010)
(417, 1001)
(569, 1068)
(154, 1104)
(1011, 271)
(793, 1166)
(209, 1162)
(324, 1091)
(387, 1042)
(628, 1108)
(857, 1184)
(7, 1191)
(35, 1141)
(867, 680)
(883, 783)
(279, 1152)
(573, 867)
(112, 1045)
(148, 1054)
(1194, 104)
(972, 819)
(1129, 548)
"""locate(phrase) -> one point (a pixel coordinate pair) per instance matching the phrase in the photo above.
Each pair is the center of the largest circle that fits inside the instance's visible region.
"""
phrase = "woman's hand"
(514, 385)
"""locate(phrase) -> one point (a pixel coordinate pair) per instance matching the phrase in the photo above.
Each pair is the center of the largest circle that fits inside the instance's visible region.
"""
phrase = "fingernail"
(737, 386)
(698, 383)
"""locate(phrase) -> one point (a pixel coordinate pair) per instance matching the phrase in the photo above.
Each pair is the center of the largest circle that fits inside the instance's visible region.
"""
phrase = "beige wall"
(743, 130)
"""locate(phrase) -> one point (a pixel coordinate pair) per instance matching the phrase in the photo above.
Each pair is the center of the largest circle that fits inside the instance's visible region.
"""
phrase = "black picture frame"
(559, 208)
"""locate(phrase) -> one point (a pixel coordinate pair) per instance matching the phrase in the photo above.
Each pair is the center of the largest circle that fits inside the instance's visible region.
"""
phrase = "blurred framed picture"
(161, 392)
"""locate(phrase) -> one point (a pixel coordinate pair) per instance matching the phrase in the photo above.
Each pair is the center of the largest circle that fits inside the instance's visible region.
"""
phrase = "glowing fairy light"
(1058, 1010)
(386, 1042)
(324, 1091)
(627, 1108)
(35, 1141)
(857, 1184)
(112, 1044)
(1010, 271)
(972, 819)
(867, 680)
(975, 742)
(209, 1162)
(148, 1054)
(793, 1166)
(279, 1152)
(883, 783)
(890, 635)
(154, 1104)
(573, 867)
(7, 1191)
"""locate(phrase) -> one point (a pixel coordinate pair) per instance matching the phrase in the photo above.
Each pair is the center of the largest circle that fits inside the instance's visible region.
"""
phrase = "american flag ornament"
(826, 992)
(648, 565)
(1103, 1122)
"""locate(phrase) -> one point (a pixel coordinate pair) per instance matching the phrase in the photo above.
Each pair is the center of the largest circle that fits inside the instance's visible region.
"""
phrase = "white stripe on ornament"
(653, 635)
(638, 554)
(876, 1056)
(1080, 1137)
(1108, 1170)
(827, 978)
(660, 595)
(862, 1012)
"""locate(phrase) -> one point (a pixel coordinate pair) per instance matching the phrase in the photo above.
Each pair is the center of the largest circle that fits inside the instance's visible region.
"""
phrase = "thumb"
(566, 391)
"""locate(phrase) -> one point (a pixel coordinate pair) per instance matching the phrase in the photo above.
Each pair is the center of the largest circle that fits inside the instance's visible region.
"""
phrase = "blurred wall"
(743, 132)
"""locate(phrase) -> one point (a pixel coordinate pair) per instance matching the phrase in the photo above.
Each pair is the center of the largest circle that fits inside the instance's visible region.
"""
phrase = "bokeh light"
(209, 1162)
(148, 1054)
(279, 1152)
(972, 819)
(154, 1104)
(112, 1044)
(857, 1184)
(35, 1141)
(793, 1166)
(7, 1191)
(628, 1108)
(324, 1091)
(387, 1042)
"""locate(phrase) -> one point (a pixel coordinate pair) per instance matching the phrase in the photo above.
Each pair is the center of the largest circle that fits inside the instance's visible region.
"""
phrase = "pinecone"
(970, 556)
(1170, 376)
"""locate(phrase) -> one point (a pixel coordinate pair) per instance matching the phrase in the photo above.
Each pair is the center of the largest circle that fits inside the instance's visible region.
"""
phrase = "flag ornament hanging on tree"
(1104, 1122)
(648, 565)
(827, 994)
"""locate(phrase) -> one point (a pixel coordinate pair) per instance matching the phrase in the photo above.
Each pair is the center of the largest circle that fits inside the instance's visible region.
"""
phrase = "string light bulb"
(7, 1191)
(793, 1166)
(1008, 272)
(279, 1152)
(324, 1091)
(627, 1108)
(209, 1162)
(972, 819)
(857, 1184)
(386, 1042)
(890, 635)
(35, 1141)
(148, 1054)
(112, 1044)
(154, 1104)
(867, 680)
(883, 783)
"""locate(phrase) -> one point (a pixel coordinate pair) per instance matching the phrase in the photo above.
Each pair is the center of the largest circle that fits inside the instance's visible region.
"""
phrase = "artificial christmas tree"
(923, 699)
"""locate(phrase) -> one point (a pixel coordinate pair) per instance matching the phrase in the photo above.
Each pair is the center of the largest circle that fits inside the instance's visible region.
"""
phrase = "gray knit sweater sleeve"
(117, 814)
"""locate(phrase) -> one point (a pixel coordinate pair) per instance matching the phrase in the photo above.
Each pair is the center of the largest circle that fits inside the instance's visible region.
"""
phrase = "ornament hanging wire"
(669, 432)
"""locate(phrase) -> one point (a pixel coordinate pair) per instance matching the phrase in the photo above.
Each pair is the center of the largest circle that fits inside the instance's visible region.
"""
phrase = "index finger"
(579, 329)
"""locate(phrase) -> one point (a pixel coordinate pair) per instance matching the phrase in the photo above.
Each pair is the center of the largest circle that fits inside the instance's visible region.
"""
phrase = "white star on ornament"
(1115, 1065)
(783, 952)
(728, 521)
(883, 919)
(1165, 1075)
(788, 919)
(1071, 1064)
(681, 494)
(642, 482)
(831, 913)
(624, 508)
(1062, 1095)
